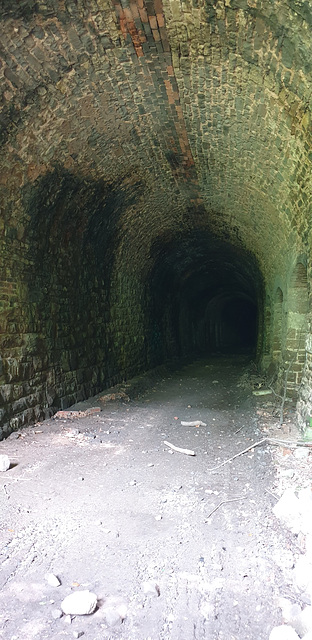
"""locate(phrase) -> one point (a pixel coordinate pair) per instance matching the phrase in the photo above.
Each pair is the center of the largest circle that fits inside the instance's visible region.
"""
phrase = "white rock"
(288, 510)
(301, 452)
(4, 462)
(56, 614)
(303, 573)
(304, 623)
(151, 588)
(283, 632)
(112, 617)
(79, 603)
(290, 611)
(52, 580)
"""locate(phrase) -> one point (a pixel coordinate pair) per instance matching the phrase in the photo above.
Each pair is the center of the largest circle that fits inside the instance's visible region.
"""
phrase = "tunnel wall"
(122, 127)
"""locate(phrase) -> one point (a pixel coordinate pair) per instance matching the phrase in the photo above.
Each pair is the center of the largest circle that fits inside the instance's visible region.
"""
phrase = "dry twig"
(283, 443)
(224, 502)
(188, 452)
(255, 444)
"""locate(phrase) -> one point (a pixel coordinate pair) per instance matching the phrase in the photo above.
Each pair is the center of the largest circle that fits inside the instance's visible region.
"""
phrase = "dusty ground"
(111, 507)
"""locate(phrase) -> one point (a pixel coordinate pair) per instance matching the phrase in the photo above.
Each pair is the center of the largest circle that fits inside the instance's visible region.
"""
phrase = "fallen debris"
(262, 392)
(80, 603)
(52, 580)
(151, 588)
(72, 415)
(256, 444)
(4, 463)
(188, 452)
(119, 395)
(224, 502)
(195, 423)
(283, 632)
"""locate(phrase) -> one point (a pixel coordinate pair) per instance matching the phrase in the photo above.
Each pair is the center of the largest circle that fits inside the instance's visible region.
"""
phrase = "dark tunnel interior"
(206, 298)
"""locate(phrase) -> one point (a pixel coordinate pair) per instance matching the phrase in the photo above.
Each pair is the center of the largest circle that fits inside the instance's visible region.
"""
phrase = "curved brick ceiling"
(132, 129)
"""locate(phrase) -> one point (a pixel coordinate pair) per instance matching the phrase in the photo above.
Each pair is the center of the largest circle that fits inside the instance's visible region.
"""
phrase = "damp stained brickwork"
(155, 177)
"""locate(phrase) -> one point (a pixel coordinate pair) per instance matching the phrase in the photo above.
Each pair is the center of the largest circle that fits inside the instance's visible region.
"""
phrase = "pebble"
(303, 573)
(288, 473)
(79, 603)
(4, 462)
(52, 580)
(283, 632)
(158, 517)
(112, 617)
(301, 453)
(78, 634)
(151, 588)
(56, 614)
(132, 483)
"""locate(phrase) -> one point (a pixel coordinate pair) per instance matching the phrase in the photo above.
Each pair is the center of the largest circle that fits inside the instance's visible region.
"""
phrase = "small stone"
(151, 588)
(288, 510)
(132, 483)
(4, 463)
(78, 634)
(290, 611)
(52, 580)
(301, 453)
(283, 632)
(112, 617)
(56, 614)
(80, 603)
(287, 473)
(68, 619)
(304, 622)
(158, 517)
(303, 573)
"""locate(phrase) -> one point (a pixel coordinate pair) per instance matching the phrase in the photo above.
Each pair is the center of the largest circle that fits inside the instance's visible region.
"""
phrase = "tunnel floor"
(103, 504)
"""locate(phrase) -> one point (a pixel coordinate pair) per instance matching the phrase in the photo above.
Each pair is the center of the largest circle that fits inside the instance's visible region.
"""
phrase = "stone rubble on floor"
(294, 510)
(80, 603)
(4, 462)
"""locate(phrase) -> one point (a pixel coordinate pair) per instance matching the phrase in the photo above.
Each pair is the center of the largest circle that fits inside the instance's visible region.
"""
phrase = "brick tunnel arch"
(146, 143)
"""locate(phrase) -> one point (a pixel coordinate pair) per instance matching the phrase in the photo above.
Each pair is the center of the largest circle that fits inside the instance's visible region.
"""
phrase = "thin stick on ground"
(187, 452)
(282, 443)
(238, 430)
(224, 502)
(255, 444)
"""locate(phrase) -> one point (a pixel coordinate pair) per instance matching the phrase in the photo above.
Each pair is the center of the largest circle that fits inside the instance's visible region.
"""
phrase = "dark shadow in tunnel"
(231, 323)
(205, 297)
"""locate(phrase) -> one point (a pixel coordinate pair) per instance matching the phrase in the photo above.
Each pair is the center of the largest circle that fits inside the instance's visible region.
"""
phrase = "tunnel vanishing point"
(155, 193)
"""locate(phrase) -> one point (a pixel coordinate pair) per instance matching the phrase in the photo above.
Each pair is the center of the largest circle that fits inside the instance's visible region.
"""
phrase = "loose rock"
(151, 588)
(112, 617)
(4, 462)
(283, 632)
(56, 614)
(80, 603)
(52, 580)
(303, 574)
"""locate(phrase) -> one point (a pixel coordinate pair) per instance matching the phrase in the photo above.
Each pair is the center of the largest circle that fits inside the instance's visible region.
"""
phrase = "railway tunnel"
(155, 193)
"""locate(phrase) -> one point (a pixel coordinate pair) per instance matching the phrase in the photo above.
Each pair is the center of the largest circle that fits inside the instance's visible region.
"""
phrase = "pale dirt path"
(86, 508)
